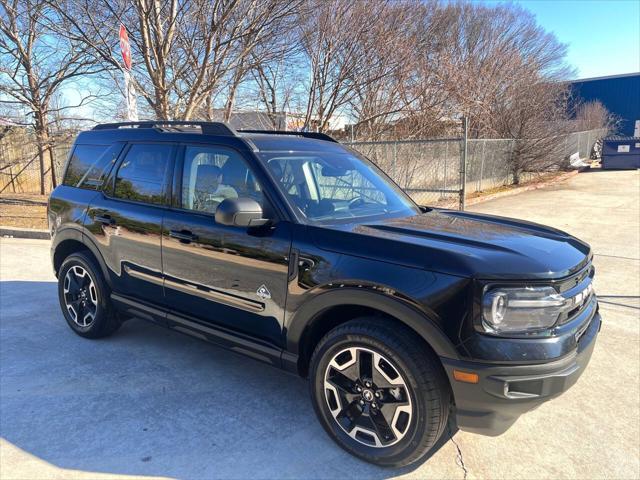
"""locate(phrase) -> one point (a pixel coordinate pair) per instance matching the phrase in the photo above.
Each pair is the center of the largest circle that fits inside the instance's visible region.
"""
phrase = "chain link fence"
(431, 170)
(20, 164)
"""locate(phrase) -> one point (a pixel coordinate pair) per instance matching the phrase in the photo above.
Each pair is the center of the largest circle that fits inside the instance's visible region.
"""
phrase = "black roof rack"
(208, 128)
(316, 135)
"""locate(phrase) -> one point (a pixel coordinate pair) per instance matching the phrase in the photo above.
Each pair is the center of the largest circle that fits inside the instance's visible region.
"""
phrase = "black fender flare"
(79, 236)
(415, 319)
(63, 234)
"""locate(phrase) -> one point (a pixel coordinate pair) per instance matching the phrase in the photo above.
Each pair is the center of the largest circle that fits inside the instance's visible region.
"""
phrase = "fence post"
(481, 167)
(512, 144)
(463, 164)
(579, 135)
(446, 173)
(395, 160)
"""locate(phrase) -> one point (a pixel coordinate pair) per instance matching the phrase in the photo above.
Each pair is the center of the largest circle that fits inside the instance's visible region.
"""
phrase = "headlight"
(522, 310)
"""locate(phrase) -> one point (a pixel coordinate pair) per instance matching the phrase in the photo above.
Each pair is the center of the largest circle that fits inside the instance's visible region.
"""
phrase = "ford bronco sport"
(297, 251)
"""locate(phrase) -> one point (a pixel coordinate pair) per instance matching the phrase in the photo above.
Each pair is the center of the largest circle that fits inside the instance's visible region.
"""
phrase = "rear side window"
(143, 172)
(87, 165)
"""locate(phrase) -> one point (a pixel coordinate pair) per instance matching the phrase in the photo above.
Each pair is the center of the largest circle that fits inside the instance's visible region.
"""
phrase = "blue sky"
(603, 35)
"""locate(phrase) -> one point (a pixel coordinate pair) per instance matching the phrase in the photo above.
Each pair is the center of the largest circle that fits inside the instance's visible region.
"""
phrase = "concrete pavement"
(150, 402)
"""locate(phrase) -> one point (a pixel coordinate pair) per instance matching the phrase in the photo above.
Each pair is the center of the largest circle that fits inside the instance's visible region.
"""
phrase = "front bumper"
(504, 392)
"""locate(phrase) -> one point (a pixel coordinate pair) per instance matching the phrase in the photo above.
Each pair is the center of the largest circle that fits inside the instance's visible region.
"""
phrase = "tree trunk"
(54, 179)
(41, 161)
(231, 98)
(274, 110)
(47, 149)
(228, 108)
(40, 132)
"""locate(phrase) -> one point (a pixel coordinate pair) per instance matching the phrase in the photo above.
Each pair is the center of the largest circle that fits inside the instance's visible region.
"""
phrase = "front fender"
(417, 320)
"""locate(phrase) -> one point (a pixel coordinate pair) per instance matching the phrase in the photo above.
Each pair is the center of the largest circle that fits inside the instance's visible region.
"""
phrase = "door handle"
(185, 236)
(293, 264)
(104, 219)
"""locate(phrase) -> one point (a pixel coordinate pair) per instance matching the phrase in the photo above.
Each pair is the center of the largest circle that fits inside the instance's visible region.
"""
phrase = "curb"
(32, 233)
(481, 197)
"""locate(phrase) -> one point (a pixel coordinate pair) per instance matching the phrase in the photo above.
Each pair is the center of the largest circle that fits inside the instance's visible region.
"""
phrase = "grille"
(579, 289)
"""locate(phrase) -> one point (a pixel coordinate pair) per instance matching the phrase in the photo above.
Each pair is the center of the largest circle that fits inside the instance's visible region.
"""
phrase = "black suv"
(297, 251)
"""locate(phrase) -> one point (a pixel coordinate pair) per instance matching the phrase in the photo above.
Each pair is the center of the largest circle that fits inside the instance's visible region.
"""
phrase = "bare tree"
(274, 92)
(594, 115)
(277, 67)
(336, 36)
(536, 119)
(183, 51)
(381, 94)
(36, 65)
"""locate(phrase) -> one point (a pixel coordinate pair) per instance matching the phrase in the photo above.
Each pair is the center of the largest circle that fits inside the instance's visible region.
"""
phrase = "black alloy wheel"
(379, 391)
(85, 297)
(368, 397)
(80, 296)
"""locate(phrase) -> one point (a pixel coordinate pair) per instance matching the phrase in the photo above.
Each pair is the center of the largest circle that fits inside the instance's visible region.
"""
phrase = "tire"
(89, 314)
(409, 387)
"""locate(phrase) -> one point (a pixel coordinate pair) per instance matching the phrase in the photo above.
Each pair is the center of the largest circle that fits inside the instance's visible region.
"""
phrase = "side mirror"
(240, 212)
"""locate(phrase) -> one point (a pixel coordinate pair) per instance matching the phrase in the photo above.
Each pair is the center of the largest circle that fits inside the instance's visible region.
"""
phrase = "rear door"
(230, 277)
(125, 220)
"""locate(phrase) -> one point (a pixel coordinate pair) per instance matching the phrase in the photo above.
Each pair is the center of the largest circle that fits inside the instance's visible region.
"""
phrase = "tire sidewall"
(79, 259)
(393, 454)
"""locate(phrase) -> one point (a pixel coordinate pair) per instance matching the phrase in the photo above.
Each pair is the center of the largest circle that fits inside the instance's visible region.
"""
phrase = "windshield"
(327, 186)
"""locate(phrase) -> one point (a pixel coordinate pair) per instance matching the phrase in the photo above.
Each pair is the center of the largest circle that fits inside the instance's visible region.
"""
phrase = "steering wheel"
(356, 202)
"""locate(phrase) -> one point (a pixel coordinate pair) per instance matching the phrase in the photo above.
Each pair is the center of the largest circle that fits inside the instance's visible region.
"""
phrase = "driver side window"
(213, 174)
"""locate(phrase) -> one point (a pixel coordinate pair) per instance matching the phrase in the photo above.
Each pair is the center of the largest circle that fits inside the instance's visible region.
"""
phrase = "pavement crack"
(459, 459)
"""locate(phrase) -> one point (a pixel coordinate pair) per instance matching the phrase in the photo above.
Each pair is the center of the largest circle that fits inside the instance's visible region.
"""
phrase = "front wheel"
(379, 392)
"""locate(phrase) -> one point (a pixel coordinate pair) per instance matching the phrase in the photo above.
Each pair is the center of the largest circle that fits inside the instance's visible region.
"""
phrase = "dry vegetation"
(23, 211)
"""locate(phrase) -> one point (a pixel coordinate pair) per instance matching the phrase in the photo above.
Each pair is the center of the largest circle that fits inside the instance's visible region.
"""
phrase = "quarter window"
(143, 172)
(88, 164)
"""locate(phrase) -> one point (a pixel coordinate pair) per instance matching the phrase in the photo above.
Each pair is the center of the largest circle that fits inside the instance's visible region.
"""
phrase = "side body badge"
(263, 292)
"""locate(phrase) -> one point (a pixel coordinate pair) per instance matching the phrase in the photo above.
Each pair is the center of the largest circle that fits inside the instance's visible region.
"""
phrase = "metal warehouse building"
(619, 93)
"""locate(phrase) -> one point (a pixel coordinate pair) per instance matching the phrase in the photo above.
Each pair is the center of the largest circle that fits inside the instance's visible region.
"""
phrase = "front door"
(231, 277)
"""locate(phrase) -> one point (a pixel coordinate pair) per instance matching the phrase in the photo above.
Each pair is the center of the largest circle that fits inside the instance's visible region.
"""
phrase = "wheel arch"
(68, 243)
(330, 309)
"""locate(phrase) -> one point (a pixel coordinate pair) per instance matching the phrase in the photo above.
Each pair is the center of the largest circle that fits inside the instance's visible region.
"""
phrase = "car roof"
(207, 132)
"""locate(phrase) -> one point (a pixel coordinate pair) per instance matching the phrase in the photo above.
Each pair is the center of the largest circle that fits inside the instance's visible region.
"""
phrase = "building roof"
(606, 77)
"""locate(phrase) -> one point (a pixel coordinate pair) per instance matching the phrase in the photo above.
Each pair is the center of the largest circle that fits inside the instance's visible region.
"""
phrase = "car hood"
(461, 243)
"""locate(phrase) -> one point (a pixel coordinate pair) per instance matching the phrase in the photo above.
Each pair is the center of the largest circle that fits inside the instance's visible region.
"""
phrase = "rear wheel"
(379, 392)
(84, 298)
